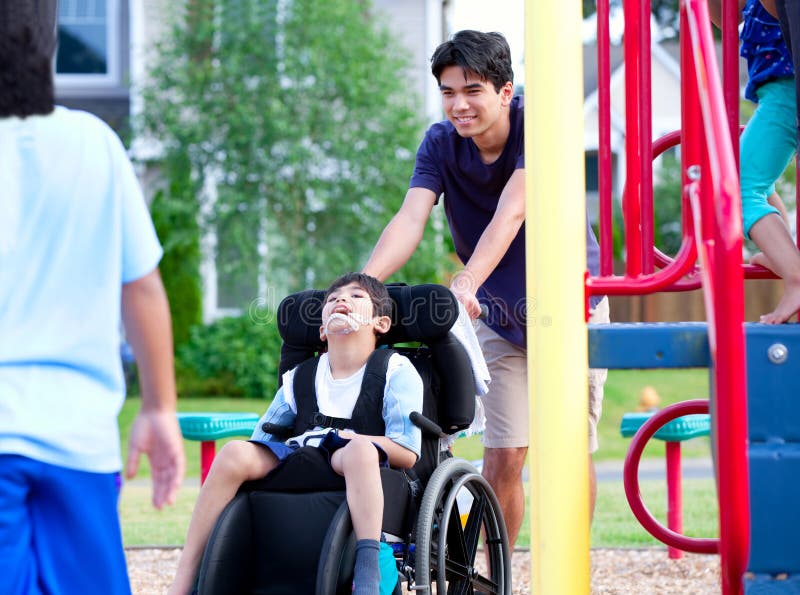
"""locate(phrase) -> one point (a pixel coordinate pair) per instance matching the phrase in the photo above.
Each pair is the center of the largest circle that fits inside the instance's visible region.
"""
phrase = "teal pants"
(766, 146)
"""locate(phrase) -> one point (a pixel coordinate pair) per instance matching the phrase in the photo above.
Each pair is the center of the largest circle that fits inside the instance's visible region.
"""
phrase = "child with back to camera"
(766, 147)
(356, 310)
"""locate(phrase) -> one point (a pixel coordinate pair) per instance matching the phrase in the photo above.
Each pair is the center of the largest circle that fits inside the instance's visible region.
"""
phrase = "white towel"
(464, 331)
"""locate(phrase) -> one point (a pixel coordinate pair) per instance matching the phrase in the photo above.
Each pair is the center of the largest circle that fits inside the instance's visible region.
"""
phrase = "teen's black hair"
(485, 54)
(27, 45)
(381, 302)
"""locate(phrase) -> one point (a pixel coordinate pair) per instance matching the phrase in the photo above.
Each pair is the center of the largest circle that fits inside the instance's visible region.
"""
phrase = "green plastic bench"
(208, 427)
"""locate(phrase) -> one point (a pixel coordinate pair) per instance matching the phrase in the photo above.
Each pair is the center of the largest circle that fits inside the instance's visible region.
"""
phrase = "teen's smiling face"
(473, 105)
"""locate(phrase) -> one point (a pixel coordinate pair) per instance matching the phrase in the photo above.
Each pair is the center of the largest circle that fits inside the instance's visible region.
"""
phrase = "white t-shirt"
(74, 227)
(402, 394)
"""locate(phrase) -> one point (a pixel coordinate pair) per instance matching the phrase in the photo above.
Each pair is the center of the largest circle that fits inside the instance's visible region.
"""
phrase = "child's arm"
(402, 440)
(278, 413)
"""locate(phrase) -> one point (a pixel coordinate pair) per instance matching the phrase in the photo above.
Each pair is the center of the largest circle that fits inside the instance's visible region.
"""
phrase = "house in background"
(93, 63)
(103, 44)
(102, 63)
(666, 108)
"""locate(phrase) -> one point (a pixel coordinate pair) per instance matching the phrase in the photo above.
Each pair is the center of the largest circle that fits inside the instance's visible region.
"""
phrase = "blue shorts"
(329, 444)
(59, 530)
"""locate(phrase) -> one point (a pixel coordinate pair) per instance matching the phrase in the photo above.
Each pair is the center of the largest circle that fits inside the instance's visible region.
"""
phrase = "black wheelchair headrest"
(419, 313)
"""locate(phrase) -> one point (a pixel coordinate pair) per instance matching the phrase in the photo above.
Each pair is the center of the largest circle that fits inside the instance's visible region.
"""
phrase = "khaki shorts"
(506, 403)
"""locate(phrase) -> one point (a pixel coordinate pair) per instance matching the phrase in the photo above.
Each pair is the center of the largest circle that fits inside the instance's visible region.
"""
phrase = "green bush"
(236, 356)
(174, 211)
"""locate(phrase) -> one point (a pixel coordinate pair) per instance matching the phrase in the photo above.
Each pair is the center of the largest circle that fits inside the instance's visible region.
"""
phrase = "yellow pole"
(556, 261)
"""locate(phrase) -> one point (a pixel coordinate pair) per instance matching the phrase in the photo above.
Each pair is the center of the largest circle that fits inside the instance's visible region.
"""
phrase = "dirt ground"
(614, 572)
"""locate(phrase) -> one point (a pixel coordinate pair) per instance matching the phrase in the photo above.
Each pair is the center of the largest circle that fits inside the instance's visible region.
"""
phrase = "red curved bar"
(631, 480)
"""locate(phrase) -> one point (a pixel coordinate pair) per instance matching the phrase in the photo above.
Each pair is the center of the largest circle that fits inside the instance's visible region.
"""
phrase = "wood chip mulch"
(614, 572)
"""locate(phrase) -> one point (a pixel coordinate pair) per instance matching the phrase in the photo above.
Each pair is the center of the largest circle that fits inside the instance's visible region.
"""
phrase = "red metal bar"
(645, 138)
(630, 477)
(674, 495)
(726, 313)
(631, 196)
(208, 451)
(604, 157)
(730, 70)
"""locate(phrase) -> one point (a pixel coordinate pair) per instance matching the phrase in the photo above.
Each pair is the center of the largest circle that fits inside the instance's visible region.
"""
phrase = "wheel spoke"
(456, 541)
(485, 585)
(473, 529)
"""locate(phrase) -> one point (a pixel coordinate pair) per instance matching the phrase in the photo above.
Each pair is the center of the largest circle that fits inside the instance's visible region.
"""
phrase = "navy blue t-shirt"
(451, 165)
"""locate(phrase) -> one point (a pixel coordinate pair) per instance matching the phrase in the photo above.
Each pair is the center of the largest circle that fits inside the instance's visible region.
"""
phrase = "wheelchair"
(291, 532)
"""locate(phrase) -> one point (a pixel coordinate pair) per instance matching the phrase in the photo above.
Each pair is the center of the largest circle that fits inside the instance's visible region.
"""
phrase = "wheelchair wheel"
(447, 539)
(335, 570)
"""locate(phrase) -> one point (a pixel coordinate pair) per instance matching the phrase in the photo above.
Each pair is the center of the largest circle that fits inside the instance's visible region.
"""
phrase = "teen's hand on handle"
(464, 288)
(158, 435)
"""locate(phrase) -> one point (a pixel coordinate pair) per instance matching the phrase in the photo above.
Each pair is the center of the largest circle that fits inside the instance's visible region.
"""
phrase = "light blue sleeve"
(279, 413)
(403, 394)
(141, 250)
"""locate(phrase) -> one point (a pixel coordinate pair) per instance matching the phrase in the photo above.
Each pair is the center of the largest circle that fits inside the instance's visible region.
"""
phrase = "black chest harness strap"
(367, 416)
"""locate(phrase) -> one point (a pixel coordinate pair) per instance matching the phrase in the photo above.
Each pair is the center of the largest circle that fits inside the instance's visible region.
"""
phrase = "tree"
(297, 120)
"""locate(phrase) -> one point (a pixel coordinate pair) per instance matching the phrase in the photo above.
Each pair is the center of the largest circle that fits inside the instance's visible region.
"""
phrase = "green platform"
(678, 430)
(213, 426)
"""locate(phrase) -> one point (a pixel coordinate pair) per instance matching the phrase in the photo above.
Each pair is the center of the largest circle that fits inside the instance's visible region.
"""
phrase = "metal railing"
(711, 224)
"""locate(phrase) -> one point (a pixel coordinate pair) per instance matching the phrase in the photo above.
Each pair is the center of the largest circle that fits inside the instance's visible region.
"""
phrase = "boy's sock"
(367, 577)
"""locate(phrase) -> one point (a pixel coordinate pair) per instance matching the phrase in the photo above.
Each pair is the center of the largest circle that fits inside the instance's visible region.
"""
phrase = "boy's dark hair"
(27, 45)
(381, 302)
(485, 54)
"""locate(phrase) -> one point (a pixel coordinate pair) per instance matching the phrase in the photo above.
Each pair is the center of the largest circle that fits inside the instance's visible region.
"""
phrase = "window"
(89, 45)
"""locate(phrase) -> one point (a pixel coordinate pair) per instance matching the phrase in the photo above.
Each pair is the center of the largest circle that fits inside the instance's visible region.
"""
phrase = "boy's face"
(472, 105)
(352, 299)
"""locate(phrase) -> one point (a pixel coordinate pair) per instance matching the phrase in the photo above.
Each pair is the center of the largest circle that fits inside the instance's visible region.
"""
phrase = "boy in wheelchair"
(356, 310)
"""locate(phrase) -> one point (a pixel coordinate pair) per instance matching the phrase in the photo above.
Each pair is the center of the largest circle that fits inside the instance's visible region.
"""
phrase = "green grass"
(622, 396)
(144, 525)
(614, 524)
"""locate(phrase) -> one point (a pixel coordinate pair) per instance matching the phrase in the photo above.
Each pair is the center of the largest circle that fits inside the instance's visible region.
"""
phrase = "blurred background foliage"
(287, 133)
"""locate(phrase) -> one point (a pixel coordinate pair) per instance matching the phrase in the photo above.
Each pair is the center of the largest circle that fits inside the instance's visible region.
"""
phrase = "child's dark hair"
(485, 54)
(381, 302)
(27, 44)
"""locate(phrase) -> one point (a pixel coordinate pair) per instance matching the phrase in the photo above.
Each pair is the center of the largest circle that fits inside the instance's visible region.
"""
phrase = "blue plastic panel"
(769, 585)
(649, 345)
(775, 508)
(773, 389)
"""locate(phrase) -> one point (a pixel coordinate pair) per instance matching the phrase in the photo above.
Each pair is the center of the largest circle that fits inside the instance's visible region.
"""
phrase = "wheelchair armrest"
(280, 432)
(426, 425)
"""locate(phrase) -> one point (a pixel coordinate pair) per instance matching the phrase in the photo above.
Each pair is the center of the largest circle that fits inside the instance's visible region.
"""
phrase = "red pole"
(646, 139)
(631, 200)
(726, 304)
(730, 70)
(207, 453)
(674, 495)
(604, 160)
